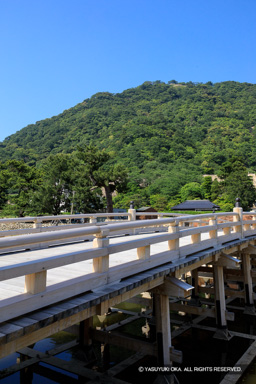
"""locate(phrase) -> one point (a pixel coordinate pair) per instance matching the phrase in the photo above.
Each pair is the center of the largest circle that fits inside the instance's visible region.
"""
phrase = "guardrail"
(38, 224)
(205, 231)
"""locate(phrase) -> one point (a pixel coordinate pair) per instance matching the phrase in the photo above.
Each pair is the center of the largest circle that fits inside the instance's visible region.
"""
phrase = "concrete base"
(222, 334)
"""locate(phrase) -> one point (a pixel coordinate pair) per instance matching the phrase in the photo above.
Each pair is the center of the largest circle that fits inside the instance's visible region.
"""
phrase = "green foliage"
(123, 200)
(206, 187)
(21, 181)
(102, 174)
(236, 183)
(191, 191)
(54, 194)
(159, 202)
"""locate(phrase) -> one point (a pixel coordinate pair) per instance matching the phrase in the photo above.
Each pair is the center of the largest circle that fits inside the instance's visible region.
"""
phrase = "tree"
(22, 182)
(55, 192)
(206, 187)
(236, 183)
(159, 202)
(3, 186)
(101, 172)
(191, 191)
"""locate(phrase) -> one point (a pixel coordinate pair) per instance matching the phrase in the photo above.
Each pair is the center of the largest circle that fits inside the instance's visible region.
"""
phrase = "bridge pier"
(248, 286)
(163, 329)
(85, 340)
(220, 305)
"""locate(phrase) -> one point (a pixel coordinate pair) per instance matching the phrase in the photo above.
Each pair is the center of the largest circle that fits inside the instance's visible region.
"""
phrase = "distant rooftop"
(145, 209)
(195, 205)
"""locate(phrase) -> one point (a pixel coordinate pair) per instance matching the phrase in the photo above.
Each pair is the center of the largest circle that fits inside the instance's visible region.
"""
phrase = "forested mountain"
(167, 135)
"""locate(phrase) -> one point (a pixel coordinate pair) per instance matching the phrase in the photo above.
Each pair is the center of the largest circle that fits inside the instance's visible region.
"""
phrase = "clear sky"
(56, 53)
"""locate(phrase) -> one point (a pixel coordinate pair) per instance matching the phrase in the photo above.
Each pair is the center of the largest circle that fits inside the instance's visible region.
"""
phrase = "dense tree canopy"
(101, 173)
(236, 183)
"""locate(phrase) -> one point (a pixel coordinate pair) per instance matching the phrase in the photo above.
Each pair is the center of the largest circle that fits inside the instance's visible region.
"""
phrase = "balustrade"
(205, 231)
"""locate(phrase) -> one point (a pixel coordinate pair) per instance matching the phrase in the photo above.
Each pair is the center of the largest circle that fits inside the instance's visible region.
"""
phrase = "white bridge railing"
(202, 232)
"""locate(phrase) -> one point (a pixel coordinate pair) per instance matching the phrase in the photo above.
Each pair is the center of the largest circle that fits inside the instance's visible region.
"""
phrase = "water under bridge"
(55, 273)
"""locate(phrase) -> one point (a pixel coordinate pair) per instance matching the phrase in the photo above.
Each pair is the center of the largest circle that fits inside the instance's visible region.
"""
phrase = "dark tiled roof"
(144, 209)
(199, 205)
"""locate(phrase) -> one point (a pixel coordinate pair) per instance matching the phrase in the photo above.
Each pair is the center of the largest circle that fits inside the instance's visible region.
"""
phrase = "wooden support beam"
(228, 292)
(250, 249)
(233, 272)
(226, 260)
(194, 281)
(208, 312)
(197, 264)
(84, 332)
(173, 287)
(102, 308)
(163, 330)
(205, 269)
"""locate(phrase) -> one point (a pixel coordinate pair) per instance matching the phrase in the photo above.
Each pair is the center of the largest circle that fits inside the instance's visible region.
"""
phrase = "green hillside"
(167, 135)
(202, 123)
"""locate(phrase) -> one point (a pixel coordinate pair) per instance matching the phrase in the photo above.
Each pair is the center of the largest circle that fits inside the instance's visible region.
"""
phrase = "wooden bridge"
(55, 276)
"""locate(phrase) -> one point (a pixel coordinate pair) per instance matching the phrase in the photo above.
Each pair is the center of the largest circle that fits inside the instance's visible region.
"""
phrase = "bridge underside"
(178, 286)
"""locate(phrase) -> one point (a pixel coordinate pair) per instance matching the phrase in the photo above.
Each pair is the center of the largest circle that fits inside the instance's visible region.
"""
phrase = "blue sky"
(56, 53)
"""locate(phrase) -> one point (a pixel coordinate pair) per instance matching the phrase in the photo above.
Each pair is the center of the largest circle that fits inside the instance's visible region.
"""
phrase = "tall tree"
(3, 185)
(191, 191)
(22, 182)
(236, 183)
(206, 187)
(55, 193)
(102, 172)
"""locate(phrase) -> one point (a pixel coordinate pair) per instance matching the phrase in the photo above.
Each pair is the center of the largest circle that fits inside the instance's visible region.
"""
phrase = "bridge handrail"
(39, 219)
(40, 238)
(34, 265)
(14, 242)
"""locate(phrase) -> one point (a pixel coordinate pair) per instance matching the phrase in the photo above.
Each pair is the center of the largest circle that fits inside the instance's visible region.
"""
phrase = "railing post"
(38, 224)
(132, 216)
(226, 231)
(101, 264)
(196, 238)
(254, 225)
(213, 234)
(35, 282)
(239, 210)
(143, 253)
(173, 245)
(93, 220)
